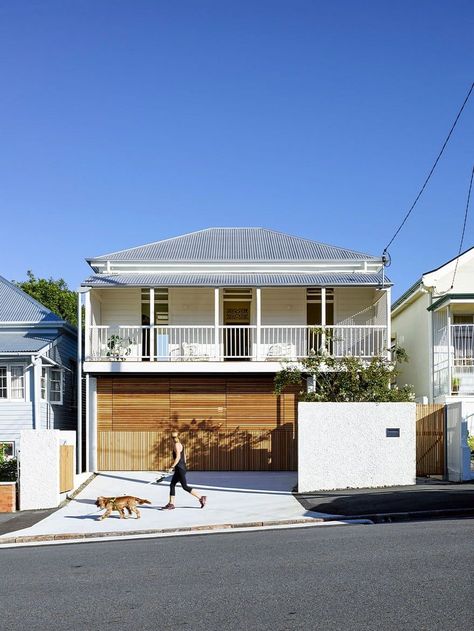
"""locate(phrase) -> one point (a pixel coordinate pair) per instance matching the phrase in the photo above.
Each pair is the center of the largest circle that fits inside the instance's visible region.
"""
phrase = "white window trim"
(12, 443)
(47, 378)
(9, 398)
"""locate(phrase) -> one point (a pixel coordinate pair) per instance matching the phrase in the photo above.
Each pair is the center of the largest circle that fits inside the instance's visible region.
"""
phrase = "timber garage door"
(226, 423)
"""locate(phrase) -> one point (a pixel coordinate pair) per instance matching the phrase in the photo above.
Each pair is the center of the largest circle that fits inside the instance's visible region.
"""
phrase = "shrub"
(8, 467)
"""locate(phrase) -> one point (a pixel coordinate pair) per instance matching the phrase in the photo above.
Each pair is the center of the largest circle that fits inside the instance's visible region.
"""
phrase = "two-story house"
(189, 332)
(37, 367)
(434, 321)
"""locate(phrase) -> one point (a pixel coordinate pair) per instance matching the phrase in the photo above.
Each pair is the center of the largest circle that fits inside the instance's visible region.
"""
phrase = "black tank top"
(181, 463)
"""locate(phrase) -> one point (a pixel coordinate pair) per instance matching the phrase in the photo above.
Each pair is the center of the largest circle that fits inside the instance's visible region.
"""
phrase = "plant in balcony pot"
(118, 347)
(455, 383)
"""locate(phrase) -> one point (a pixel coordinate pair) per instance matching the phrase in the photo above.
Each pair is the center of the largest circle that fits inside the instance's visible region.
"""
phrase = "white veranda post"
(258, 294)
(216, 321)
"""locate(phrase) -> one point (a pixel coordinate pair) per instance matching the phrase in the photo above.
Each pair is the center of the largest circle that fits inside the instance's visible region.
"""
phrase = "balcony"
(462, 359)
(119, 343)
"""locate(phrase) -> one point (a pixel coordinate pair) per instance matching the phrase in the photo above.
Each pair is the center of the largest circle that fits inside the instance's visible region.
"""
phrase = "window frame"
(45, 386)
(8, 374)
(11, 443)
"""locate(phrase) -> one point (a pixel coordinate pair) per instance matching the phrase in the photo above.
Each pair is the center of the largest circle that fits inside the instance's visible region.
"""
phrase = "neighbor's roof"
(238, 280)
(17, 306)
(23, 342)
(235, 244)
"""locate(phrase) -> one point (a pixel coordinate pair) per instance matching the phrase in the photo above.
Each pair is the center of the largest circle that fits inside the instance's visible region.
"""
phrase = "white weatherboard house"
(434, 322)
(189, 332)
(37, 367)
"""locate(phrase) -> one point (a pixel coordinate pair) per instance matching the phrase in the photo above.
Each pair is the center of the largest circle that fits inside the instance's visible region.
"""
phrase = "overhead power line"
(463, 227)
(385, 252)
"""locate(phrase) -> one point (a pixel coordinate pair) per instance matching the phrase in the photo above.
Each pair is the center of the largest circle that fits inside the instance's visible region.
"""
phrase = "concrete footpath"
(427, 499)
(235, 500)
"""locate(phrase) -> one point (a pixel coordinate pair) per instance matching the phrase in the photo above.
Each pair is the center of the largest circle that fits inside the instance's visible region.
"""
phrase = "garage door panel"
(227, 423)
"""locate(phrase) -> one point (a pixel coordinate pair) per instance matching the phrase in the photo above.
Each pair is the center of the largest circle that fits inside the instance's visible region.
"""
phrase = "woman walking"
(179, 475)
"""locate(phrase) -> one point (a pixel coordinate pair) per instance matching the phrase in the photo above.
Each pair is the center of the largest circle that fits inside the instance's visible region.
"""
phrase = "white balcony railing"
(462, 359)
(204, 343)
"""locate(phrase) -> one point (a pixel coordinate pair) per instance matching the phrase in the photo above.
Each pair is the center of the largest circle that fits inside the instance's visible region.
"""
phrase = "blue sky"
(124, 122)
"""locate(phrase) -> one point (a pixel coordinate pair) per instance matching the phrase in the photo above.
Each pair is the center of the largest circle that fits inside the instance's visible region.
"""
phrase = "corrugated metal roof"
(235, 244)
(17, 306)
(234, 280)
(23, 342)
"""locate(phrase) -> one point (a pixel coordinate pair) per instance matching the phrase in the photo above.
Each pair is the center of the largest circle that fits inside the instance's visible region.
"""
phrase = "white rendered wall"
(344, 445)
(39, 467)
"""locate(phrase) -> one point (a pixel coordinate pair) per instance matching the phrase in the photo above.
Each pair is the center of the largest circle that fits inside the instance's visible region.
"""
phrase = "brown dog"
(120, 504)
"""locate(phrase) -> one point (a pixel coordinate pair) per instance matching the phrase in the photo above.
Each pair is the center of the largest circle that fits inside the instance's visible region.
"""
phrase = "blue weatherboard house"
(37, 367)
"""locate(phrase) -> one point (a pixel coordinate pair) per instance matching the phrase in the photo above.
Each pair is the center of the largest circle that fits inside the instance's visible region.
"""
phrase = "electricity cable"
(385, 254)
(463, 228)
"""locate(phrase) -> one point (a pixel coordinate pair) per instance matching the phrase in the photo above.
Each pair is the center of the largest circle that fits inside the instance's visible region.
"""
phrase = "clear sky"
(125, 122)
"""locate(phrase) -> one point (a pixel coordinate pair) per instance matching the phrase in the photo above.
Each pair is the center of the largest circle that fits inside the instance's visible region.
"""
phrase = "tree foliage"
(345, 379)
(53, 294)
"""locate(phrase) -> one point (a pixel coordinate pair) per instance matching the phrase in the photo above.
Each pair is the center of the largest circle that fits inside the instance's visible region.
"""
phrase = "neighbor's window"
(3, 382)
(55, 385)
(12, 382)
(17, 382)
(52, 385)
(44, 384)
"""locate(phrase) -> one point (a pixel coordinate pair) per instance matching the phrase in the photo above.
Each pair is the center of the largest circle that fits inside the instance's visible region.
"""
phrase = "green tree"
(53, 294)
(343, 379)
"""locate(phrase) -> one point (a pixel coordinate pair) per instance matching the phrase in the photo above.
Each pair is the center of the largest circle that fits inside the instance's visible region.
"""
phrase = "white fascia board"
(453, 301)
(244, 267)
(409, 299)
(181, 367)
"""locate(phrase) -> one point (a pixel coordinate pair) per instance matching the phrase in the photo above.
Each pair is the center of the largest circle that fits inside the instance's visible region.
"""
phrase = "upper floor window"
(314, 306)
(52, 385)
(161, 306)
(12, 382)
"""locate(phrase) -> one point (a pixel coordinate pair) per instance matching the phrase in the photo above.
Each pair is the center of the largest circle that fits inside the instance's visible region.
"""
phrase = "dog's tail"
(140, 501)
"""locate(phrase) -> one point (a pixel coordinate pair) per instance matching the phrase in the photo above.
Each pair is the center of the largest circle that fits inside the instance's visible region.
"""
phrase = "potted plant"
(8, 476)
(455, 383)
(118, 347)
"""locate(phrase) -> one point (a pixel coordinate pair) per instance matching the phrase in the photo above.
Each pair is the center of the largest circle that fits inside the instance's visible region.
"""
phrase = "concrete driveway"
(232, 498)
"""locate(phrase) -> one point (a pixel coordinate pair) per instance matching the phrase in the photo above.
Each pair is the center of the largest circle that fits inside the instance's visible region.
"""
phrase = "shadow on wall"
(209, 447)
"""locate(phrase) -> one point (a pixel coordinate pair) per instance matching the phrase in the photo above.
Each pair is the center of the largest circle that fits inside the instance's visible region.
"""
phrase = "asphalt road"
(392, 576)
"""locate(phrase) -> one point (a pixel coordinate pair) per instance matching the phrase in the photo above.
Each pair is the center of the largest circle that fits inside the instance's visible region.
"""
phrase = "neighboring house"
(434, 322)
(38, 352)
(189, 333)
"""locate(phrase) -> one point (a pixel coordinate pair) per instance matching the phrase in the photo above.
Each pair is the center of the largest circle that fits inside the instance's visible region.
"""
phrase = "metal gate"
(430, 439)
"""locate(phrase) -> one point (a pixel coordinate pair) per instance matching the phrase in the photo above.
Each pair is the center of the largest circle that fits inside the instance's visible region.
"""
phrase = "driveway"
(232, 498)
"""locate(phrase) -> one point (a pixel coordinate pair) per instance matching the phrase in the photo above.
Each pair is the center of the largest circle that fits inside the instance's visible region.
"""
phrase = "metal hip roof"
(235, 280)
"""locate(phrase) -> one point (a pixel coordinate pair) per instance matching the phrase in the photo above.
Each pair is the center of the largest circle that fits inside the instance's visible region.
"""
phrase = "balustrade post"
(87, 324)
(151, 339)
(216, 322)
(323, 318)
(450, 353)
(258, 353)
(388, 292)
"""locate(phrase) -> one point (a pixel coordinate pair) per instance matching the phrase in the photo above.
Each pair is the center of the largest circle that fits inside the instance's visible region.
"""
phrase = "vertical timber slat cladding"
(430, 439)
(140, 404)
(228, 423)
(198, 402)
(104, 403)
